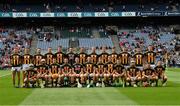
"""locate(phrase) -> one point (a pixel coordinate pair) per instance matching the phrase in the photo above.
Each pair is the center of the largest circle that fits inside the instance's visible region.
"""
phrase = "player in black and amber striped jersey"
(139, 58)
(82, 56)
(149, 75)
(133, 74)
(114, 55)
(66, 68)
(160, 72)
(54, 69)
(125, 58)
(109, 65)
(27, 60)
(119, 71)
(37, 58)
(104, 55)
(49, 57)
(71, 56)
(77, 66)
(100, 66)
(59, 56)
(16, 62)
(42, 73)
(150, 56)
(89, 65)
(93, 56)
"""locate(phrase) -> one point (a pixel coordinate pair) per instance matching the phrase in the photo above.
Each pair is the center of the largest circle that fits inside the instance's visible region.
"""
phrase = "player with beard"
(133, 75)
(59, 56)
(71, 56)
(160, 71)
(54, 69)
(82, 56)
(149, 76)
(16, 62)
(27, 59)
(66, 69)
(49, 57)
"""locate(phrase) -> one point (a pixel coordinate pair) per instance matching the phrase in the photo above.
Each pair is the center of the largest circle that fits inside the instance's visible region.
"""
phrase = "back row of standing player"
(124, 57)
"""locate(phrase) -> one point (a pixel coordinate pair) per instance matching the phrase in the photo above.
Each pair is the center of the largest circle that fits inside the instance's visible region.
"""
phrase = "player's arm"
(128, 74)
(123, 72)
(50, 71)
(143, 74)
(156, 71)
(59, 70)
(73, 70)
(138, 73)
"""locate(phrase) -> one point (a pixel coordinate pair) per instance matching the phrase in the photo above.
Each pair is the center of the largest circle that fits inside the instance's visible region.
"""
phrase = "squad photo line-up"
(88, 70)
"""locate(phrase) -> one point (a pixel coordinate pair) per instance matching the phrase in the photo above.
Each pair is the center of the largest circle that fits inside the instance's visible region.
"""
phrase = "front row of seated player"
(100, 76)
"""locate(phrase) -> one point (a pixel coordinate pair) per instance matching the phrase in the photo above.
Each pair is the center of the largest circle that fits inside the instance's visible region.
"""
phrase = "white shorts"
(133, 78)
(16, 69)
(140, 67)
(25, 67)
(126, 66)
(152, 65)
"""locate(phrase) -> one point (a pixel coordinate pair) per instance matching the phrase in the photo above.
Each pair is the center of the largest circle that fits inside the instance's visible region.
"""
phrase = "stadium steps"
(115, 41)
(96, 33)
(34, 44)
(73, 43)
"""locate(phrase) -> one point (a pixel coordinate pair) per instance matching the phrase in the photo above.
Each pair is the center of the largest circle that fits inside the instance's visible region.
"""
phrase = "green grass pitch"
(169, 95)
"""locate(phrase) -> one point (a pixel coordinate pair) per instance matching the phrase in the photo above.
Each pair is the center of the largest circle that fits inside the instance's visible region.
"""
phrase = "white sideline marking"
(5, 75)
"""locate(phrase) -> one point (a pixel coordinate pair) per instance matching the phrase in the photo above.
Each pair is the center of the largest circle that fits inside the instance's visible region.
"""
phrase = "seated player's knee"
(97, 75)
(165, 78)
(128, 79)
(138, 78)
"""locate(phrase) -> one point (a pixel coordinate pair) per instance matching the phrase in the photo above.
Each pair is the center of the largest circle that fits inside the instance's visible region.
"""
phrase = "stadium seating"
(165, 39)
(53, 44)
